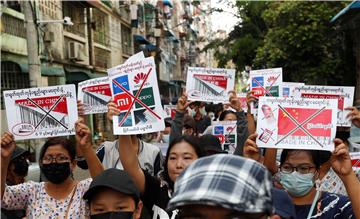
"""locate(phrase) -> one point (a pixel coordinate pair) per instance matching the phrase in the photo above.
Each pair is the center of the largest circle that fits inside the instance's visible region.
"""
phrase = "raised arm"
(7, 148)
(177, 124)
(249, 116)
(341, 164)
(81, 115)
(83, 139)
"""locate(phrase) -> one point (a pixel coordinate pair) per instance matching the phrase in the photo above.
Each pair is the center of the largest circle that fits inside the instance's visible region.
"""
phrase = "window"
(77, 15)
(101, 33)
(12, 78)
(126, 39)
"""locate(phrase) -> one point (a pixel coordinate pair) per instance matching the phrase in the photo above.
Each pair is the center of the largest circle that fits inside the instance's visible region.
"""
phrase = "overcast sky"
(224, 20)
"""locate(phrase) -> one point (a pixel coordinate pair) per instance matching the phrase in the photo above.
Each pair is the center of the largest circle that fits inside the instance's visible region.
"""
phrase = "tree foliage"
(294, 35)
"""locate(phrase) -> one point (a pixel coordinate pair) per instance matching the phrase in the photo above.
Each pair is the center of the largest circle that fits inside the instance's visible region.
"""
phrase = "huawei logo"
(139, 77)
(272, 78)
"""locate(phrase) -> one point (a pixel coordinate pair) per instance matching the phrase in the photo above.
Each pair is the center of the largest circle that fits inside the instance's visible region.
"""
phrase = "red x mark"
(135, 98)
(267, 91)
(300, 125)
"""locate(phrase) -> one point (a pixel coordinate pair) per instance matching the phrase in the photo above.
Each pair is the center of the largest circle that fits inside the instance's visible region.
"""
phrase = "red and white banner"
(135, 90)
(344, 95)
(95, 94)
(41, 112)
(296, 123)
(209, 84)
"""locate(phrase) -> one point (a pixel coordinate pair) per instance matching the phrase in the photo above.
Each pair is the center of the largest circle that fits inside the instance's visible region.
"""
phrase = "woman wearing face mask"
(61, 195)
(157, 191)
(298, 172)
(242, 123)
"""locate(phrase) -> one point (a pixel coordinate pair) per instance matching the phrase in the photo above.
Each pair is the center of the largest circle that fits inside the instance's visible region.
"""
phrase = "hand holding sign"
(234, 101)
(83, 135)
(7, 145)
(112, 110)
(340, 159)
(182, 103)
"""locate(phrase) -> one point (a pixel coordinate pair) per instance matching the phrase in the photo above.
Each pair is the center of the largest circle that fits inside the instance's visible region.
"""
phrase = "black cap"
(211, 143)
(18, 151)
(115, 179)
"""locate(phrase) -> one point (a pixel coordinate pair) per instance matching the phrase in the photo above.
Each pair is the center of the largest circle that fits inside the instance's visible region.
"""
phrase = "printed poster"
(209, 84)
(170, 111)
(288, 88)
(41, 112)
(296, 123)
(355, 161)
(265, 82)
(95, 94)
(135, 90)
(242, 99)
(226, 132)
(344, 95)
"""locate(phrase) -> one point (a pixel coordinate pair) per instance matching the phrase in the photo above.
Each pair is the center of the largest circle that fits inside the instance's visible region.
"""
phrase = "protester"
(284, 208)
(150, 156)
(17, 171)
(61, 195)
(223, 186)
(157, 191)
(198, 113)
(239, 116)
(113, 194)
(211, 145)
(353, 115)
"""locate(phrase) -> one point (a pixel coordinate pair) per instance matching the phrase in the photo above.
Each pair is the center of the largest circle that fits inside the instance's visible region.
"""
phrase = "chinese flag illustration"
(320, 125)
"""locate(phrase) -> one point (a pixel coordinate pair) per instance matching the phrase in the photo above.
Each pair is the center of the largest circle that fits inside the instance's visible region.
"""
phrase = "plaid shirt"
(228, 181)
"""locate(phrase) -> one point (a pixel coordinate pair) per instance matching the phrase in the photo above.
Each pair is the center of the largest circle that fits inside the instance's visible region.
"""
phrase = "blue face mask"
(297, 184)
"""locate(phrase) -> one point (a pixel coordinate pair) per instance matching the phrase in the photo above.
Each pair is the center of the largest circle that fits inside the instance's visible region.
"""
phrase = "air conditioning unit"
(76, 51)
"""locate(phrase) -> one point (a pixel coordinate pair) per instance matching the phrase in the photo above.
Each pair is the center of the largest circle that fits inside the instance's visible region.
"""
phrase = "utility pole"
(28, 8)
(90, 36)
(157, 57)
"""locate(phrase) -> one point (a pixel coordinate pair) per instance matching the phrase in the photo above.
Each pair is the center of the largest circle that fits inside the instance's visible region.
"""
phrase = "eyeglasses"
(58, 159)
(303, 169)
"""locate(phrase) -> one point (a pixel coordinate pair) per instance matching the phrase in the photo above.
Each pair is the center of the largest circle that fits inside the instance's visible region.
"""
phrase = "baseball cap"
(283, 204)
(211, 143)
(115, 179)
(18, 151)
(227, 181)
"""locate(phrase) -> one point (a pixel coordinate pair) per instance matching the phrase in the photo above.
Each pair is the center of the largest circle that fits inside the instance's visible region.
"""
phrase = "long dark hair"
(191, 140)
(64, 142)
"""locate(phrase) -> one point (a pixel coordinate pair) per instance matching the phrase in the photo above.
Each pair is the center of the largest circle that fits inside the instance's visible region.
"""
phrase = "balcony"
(12, 26)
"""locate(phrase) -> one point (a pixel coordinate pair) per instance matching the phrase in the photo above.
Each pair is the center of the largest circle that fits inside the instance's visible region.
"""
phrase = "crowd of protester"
(195, 178)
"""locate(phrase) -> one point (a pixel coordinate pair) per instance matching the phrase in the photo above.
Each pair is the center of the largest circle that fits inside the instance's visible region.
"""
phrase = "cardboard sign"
(265, 82)
(344, 95)
(41, 112)
(288, 88)
(296, 123)
(170, 111)
(226, 132)
(95, 94)
(135, 90)
(209, 84)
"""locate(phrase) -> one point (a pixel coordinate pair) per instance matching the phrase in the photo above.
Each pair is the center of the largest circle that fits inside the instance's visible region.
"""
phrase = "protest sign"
(209, 84)
(226, 132)
(265, 82)
(242, 99)
(344, 95)
(135, 90)
(95, 94)
(288, 88)
(41, 112)
(296, 123)
(170, 111)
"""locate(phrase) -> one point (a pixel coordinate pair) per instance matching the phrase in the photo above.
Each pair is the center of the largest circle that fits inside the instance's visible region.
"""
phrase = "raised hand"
(340, 159)
(83, 135)
(7, 145)
(182, 103)
(112, 110)
(80, 108)
(250, 98)
(354, 115)
(250, 149)
(234, 101)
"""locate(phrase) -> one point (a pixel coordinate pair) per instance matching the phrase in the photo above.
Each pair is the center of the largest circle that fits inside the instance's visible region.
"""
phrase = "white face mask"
(202, 111)
(165, 138)
(192, 112)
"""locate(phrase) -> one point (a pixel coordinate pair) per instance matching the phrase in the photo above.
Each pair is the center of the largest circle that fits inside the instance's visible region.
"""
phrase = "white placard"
(209, 84)
(95, 94)
(41, 112)
(242, 99)
(296, 123)
(344, 95)
(226, 132)
(288, 88)
(170, 111)
(265, 82)
(135, 90)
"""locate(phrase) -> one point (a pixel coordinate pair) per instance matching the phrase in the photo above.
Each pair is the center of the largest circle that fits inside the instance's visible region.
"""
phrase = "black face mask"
(56, 172)
(21, 167)
(113, 215)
